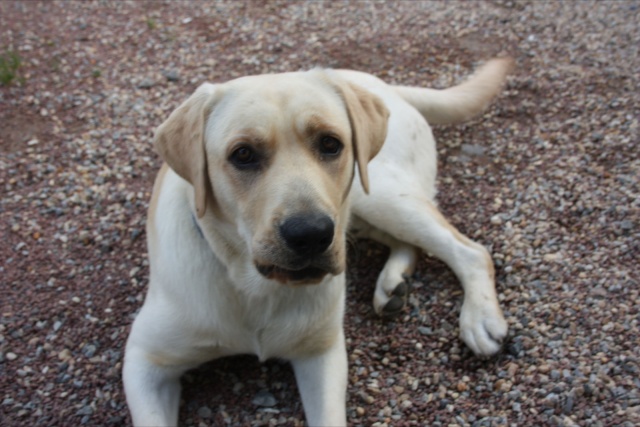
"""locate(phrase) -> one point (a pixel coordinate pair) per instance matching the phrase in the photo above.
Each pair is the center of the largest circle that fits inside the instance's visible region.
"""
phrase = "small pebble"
(146, 84)
(205, 412)
(265, 399)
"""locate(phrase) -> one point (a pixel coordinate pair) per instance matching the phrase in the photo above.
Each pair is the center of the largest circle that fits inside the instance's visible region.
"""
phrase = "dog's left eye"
(330, 146)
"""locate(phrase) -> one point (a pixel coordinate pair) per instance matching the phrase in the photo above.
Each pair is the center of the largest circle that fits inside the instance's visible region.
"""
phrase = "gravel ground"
(548, 179)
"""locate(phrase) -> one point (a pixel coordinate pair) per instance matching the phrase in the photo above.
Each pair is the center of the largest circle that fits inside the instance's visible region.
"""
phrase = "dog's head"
(271, 159)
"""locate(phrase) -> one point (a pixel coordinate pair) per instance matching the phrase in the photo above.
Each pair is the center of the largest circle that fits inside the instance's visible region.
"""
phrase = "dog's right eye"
(330, 146)
(244, 158)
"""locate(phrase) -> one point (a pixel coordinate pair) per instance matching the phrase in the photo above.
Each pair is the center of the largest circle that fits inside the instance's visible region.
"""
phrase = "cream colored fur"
(223, 280)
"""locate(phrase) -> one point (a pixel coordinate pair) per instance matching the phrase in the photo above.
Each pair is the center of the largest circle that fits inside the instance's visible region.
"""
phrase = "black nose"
(309, 234)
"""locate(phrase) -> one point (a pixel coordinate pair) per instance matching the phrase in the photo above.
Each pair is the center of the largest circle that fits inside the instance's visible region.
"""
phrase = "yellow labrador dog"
(246, 231)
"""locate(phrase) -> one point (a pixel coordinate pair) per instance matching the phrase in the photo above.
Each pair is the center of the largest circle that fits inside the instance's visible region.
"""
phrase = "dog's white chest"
(289, 322)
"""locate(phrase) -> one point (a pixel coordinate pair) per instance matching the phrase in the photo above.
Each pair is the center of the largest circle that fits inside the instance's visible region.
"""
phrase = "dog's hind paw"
(393, 307)
(396, 302)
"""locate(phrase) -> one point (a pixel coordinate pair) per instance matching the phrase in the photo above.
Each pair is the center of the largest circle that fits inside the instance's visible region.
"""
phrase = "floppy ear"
(368, 116)
(180, 142)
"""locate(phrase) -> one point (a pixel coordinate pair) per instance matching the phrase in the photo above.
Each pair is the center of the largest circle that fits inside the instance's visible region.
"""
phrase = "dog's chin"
(305, 276)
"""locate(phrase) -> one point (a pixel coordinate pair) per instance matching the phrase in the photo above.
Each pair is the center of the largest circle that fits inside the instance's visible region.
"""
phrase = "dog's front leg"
(322, 381)
(152, 391)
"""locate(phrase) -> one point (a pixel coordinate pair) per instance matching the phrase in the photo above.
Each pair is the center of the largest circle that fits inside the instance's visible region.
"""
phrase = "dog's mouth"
(307, 275)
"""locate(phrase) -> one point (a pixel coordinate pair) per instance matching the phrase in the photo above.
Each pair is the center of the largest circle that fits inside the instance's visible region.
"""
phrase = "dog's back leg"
(392, 287)
(417, 222)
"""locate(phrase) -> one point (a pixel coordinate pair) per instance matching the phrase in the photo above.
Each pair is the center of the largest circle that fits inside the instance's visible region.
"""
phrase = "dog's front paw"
(482, 328)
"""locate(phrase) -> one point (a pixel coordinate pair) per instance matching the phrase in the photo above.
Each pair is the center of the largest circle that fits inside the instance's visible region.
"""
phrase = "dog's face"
(272, 157)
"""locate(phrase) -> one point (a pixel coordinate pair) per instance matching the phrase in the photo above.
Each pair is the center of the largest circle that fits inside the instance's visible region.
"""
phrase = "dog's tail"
(462, 102)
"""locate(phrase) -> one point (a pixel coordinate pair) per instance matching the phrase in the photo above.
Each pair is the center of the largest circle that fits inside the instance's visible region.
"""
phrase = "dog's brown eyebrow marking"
(316, 124)
(250, 137)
